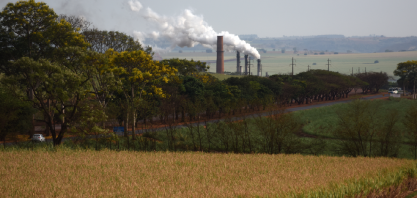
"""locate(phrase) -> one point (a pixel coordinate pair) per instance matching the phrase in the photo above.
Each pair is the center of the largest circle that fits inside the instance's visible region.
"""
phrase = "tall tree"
(44, 57)
(407, 71)
(31, 29)
(101, 41)
(137, 71)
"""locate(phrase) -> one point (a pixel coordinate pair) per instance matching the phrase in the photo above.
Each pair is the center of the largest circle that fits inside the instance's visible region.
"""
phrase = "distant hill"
(339, 43)
(331, 43)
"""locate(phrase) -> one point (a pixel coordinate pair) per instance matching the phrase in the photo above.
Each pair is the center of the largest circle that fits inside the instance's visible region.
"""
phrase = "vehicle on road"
(38, 138)
(394, 90)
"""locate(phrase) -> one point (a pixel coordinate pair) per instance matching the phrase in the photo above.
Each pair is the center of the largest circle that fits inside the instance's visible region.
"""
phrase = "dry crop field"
(166, 174)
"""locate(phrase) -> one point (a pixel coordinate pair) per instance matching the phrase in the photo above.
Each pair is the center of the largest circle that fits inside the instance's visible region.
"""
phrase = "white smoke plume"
(135, 6)
(187, 30)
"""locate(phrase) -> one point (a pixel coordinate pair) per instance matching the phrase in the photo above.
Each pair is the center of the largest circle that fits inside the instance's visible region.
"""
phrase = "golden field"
(167, 174)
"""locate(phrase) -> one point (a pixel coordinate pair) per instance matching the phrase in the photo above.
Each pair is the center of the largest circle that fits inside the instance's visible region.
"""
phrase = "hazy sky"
(266, 18)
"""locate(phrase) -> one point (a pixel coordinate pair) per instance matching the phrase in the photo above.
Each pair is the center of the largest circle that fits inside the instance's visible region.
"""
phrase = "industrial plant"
(239, 68)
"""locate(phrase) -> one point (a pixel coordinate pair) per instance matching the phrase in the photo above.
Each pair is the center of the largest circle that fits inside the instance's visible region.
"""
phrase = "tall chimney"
(246, 64)
(259, 68)
(220, 55)
(238, 70)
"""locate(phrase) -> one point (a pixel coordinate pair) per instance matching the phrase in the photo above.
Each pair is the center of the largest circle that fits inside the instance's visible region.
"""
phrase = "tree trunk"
(47, 132)
(133, 112)
(126, 124)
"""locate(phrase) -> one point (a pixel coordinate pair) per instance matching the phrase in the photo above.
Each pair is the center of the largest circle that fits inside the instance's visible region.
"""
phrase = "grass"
(276, 62)
(107, 173)
(321, 121)
(224, 76)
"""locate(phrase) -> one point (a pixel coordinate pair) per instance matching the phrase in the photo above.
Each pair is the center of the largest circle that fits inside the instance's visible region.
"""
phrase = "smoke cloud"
(187, 30)
(135, 6)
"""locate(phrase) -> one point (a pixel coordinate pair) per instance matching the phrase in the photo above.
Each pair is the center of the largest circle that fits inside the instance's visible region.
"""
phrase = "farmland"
(107, 173)
(321, 121)
(276, 62)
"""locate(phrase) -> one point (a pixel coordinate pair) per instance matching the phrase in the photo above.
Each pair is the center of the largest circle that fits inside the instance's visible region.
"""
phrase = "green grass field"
(276, 62)
(322, 121)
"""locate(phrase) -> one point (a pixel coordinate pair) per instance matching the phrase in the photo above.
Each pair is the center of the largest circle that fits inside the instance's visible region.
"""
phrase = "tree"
(102, 41)
(410, 123)
(58, 87)
(186, 67)
(283, 50)
(137, 70)
(374, 80)
(364, 129)
(32, 30)
(15, 115)
(407, 71)
(25, 28)
(356, 128)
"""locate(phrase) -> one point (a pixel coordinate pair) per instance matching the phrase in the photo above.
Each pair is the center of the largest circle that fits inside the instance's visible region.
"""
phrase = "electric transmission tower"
(292, 64)
(328, 64)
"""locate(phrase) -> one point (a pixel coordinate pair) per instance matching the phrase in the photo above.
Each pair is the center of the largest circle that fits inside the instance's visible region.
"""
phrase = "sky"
(266, 18)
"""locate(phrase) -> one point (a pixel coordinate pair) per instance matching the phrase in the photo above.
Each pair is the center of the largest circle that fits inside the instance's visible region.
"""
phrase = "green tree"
(31, 29)
(101, 41)
(407, 71)
(15, 115)
(58, 87)
(410, 123)
(186, 67)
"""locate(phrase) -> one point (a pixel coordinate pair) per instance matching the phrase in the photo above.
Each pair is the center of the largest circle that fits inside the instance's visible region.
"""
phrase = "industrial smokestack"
(220, 55)
(238, 70)
(259, 68)
(246, 64)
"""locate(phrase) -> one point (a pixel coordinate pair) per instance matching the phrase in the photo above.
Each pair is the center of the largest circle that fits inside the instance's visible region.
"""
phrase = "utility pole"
(365, 70)
(328, 64)
(352, 71)
(308, 68)
(292, 64)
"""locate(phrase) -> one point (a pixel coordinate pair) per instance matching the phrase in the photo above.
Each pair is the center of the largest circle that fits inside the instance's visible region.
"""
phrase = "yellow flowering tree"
(137, 73)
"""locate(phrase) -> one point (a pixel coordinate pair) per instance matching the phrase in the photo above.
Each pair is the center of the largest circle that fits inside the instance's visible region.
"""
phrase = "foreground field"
(165, 174)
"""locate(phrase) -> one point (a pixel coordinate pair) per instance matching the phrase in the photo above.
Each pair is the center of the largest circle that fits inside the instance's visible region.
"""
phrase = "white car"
(393, 90)
(38, 138)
